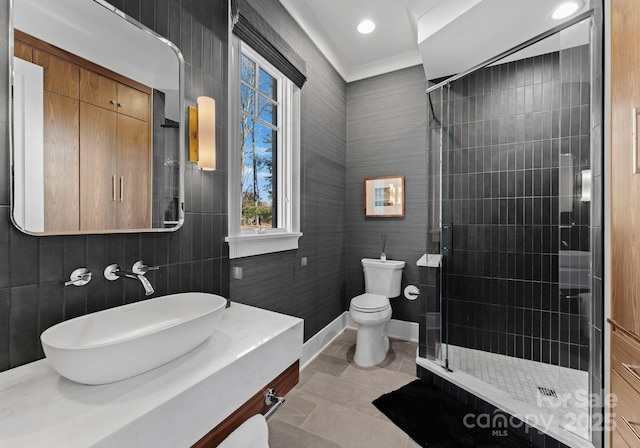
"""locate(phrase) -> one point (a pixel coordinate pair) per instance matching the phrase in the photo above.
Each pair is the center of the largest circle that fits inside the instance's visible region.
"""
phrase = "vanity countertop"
(172, 406)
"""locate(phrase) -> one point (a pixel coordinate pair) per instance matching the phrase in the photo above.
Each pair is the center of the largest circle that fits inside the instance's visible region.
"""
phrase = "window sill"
(258, 244)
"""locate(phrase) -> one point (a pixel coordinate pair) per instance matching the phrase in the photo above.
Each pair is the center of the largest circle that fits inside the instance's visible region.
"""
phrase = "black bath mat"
(435, 419)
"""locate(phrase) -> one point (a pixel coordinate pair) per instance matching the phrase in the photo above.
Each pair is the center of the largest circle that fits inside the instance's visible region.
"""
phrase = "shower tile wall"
(194, 258)
(509, 124)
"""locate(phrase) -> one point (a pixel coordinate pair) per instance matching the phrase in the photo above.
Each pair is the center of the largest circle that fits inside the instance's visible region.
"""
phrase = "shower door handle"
(448, 237)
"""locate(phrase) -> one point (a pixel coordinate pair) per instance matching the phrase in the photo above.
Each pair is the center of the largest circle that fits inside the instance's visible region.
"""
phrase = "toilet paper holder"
(411, 292)
(273, 400)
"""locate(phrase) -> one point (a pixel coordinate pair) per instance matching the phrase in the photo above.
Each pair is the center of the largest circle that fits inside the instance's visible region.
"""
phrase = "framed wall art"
(384, 197)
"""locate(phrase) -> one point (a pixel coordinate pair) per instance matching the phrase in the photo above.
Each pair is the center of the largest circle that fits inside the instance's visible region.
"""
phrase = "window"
(264, 162)
(259, 128)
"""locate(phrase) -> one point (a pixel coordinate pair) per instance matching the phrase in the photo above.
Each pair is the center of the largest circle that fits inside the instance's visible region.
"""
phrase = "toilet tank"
(382, 277)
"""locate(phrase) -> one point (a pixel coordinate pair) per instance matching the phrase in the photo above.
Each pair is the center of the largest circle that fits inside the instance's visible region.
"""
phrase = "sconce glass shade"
(206, 133)
(586, 186)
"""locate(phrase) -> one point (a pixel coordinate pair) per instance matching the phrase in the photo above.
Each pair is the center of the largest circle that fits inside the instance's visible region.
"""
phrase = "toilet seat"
(370, 303)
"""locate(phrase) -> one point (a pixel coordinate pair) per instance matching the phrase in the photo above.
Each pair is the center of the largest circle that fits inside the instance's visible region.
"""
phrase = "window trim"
(248, 243)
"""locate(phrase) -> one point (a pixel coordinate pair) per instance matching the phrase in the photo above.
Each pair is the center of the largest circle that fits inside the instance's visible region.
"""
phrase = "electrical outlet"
(303, 261)
(236, 273)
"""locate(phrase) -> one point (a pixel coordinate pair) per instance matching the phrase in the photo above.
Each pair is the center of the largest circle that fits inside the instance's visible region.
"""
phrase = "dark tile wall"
(32, 269)
(278, 281)
(386, 136)
(508, 126)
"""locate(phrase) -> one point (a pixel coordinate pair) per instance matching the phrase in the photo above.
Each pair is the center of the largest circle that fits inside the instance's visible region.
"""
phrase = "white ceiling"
(447, 36)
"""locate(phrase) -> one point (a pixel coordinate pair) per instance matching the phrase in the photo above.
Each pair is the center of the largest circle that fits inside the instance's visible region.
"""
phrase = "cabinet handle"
(113, 188)
(120, 104)
(113, 101)
(631, 426)
(634, 143)
(121, 188)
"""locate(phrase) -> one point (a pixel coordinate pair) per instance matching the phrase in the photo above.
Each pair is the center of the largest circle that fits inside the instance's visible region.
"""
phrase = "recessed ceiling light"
(565, 9)
(366, 26)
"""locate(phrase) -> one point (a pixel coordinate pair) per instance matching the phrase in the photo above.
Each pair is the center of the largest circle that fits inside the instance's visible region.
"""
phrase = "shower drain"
(547, 392)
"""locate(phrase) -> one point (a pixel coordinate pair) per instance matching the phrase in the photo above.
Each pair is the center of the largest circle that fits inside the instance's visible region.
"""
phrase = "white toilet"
(372, 310)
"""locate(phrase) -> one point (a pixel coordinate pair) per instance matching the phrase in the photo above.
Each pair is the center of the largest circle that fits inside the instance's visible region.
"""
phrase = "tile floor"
(331, 405)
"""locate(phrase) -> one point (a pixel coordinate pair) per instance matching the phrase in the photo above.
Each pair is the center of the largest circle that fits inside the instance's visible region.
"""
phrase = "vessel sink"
(121, 342)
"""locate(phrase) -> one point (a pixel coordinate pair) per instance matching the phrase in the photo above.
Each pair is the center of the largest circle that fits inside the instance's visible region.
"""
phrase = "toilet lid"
(370, 302)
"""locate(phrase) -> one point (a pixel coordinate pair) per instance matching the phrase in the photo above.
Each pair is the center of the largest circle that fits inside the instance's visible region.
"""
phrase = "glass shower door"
(510, 145)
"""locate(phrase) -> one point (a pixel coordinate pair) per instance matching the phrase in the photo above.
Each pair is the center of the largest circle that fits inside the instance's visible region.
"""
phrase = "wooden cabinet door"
(98, 183)
(134, 173)
(98, 90)
(625, 186)
(133, 103)
(61, 163)
(60, 76)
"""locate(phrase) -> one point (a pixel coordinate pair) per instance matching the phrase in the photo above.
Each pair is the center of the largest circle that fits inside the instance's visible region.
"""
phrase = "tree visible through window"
(259, 126)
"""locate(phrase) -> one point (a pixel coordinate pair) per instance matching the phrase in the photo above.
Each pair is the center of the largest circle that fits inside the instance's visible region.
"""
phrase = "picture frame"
(384, 197)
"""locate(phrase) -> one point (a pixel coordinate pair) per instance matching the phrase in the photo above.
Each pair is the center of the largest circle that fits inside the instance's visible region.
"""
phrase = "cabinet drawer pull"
(120, 104)
(631, 425)
(634, 142)
(113, 188)
(633, 370)
(121, 188)
(113, 102)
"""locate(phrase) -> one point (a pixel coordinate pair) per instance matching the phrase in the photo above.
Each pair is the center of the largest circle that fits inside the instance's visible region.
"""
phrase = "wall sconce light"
(202, 133)
(586, 186)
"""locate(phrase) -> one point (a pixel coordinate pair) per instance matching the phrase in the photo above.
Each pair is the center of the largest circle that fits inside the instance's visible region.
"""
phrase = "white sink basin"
(121, 342)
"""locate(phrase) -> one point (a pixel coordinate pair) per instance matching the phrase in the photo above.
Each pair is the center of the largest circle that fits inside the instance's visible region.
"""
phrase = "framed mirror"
(97, 121)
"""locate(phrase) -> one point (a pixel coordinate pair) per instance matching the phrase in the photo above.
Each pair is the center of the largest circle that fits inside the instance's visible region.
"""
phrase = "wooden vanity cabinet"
(625, 223)
(97, 143)
(282, 384)
(23, 51)
(98, 167)
(115, 154)
(61, 163)
(109, 94)
(61, 141)
(134, 169)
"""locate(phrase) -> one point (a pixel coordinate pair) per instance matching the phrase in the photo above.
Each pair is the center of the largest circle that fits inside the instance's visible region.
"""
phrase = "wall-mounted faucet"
(137, 272)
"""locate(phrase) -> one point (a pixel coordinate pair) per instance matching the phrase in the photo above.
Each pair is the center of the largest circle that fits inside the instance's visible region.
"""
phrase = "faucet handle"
(79, 277)
(140, 268)
(110, 272)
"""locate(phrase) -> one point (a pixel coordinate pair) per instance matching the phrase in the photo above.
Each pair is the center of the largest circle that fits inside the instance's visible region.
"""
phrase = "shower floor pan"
(551, 398)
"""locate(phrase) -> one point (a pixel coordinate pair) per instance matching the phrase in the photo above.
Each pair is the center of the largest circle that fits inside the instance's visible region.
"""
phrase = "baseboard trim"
(397, 329)
(321, 339)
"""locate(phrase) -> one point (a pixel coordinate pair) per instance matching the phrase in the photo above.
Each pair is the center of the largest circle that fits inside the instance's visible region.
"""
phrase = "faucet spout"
(113, 272)
(148, 289)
